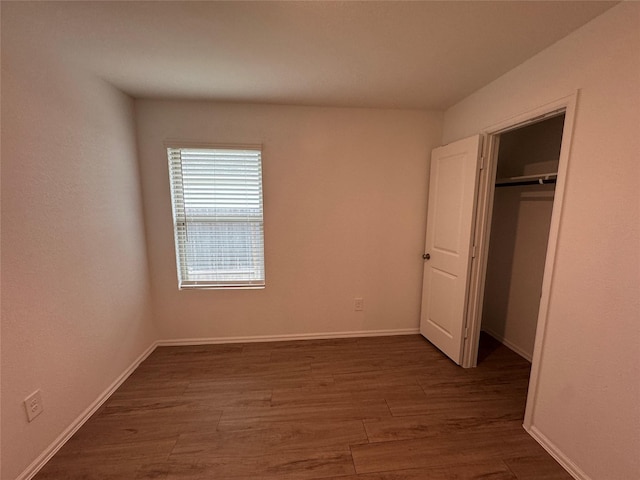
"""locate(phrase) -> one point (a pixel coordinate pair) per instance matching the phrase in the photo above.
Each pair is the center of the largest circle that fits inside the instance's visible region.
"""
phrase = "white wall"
(588, 402)
(75, 291)
(345, 205)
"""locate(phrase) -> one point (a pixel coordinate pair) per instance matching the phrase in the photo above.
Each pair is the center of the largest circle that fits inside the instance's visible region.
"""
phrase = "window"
(216, 195)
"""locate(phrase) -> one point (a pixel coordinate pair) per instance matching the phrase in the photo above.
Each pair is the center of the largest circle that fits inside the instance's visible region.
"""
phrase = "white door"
(453, 185)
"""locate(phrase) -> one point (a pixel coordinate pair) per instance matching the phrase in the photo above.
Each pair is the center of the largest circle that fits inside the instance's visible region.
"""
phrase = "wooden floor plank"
(270, 439)
(296, 465)
(536, 467)
(442, 449)
(485, 470)
(313, 409)
(419, 426)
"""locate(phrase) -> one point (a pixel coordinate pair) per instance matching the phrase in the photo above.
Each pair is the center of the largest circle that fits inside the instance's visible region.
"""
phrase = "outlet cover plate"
(358, 304)
(33, 405)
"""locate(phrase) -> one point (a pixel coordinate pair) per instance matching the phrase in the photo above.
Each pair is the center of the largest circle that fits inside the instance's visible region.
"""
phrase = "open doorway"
(524, 191)
(541, 185)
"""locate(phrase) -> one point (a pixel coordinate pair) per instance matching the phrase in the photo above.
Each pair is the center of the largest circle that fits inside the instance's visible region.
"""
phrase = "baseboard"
(40, 462)
(508, 344)
(555, 452)
(284, 338)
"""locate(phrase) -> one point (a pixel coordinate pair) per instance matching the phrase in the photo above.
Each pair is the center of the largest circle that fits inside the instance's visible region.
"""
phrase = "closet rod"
(540, 181)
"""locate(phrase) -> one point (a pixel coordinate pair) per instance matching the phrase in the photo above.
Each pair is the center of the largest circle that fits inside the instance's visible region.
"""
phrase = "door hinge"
(481, 162)
(473, 252)
(466, 332)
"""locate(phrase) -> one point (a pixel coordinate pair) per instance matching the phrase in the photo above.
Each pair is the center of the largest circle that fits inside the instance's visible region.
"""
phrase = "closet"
(527, 167)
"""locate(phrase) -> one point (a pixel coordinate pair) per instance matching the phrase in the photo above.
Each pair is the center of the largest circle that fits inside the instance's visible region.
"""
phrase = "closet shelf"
(540, 179)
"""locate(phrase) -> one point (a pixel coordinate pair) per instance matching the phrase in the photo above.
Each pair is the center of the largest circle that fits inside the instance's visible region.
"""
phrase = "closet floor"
(382, 408)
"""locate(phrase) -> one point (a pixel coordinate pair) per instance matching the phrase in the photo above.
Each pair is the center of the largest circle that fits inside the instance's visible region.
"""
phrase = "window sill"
(221, 287)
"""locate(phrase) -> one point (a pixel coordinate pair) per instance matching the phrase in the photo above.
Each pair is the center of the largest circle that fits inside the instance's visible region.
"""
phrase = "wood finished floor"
(385, 408)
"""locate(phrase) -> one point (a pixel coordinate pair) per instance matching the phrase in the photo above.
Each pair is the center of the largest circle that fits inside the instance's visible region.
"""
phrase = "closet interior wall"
(520, 225)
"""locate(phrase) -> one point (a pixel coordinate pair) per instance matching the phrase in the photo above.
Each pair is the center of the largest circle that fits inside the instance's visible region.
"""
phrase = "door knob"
(426, 256)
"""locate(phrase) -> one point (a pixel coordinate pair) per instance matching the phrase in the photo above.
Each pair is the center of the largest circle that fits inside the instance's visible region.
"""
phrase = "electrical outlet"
(358, 304)
(33, 405)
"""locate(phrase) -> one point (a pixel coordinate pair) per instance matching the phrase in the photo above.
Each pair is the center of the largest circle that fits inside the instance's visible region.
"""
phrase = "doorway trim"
(486, 188)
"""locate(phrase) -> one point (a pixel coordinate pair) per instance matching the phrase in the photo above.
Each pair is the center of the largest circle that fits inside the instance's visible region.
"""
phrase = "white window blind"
(217, 216)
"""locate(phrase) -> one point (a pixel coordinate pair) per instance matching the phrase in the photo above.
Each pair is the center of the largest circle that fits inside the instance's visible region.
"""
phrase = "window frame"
(180, 246)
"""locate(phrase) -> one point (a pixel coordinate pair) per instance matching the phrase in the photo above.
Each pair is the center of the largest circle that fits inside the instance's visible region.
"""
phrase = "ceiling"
(365, 54)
